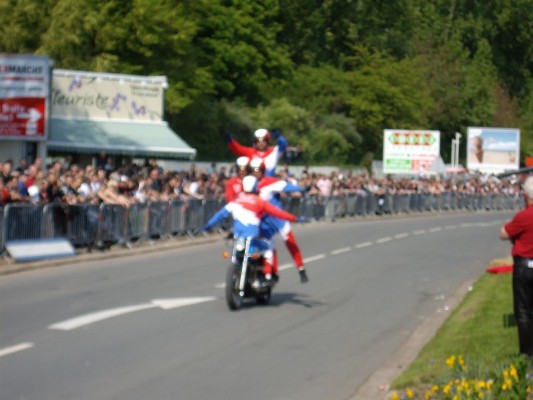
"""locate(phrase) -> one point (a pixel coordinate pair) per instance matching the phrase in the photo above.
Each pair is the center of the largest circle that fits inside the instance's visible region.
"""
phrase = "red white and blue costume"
(270, 156)
(269, 190)
(247, 210)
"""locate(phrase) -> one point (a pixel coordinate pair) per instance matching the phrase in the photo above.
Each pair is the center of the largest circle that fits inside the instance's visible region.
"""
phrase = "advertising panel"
(409, 151)
(85, 95)
(493, 150)
(24, 90)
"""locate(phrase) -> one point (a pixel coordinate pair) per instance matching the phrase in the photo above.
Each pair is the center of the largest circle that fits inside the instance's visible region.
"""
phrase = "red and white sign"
(24, 93)
(22, 117)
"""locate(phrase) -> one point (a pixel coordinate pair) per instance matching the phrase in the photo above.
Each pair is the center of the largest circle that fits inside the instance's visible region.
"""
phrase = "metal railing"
(95, 225)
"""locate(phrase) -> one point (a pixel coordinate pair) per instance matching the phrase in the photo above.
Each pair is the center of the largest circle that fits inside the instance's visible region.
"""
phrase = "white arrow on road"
(87, 319)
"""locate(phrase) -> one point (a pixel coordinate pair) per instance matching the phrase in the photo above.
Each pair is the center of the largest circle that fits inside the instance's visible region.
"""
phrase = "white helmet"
(249, 184)
(242, 162)
(262, 135)
(257, 163)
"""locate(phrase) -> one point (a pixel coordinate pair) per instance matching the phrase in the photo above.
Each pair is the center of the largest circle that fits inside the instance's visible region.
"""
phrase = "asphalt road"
(156, 326)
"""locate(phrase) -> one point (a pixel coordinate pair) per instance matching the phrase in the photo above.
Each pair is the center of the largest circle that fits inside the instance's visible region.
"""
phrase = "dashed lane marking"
(401, 235)
(419, 232)
(341, 250)
(314, 258)
(364, 244)
(15, 349)
(384, 239)
(436, 229)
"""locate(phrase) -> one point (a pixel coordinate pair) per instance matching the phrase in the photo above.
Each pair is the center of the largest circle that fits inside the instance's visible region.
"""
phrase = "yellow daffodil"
(446, 390)
(451, 361)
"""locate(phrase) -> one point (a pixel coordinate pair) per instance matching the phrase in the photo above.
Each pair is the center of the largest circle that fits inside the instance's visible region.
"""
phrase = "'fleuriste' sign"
(87, 95)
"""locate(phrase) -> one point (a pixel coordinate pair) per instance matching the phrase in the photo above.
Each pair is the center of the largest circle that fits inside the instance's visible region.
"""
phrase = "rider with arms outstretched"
(247, 210)
(262, 148)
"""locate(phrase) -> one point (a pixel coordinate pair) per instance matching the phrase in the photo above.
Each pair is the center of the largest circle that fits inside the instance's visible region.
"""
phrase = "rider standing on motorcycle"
(247, 210)
(262, 148)
(269, 189)
(234, 185)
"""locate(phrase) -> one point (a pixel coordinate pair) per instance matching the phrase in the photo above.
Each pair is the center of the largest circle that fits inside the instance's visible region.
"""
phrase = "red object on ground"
(529, 161)
(500, 269)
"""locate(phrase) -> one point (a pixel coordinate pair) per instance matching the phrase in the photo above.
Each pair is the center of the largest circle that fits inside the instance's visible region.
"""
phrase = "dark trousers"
(523, 304)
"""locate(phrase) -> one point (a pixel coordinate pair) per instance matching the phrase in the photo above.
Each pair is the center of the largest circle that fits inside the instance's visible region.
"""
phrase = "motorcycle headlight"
(240, 244)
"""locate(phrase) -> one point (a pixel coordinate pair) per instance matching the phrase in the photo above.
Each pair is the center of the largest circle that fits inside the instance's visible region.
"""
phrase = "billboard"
(88, 95)
(24, 93)
(493, 150)
(409, 151)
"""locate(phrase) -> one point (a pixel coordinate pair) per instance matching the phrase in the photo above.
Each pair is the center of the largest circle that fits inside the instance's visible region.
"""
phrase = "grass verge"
(480, 332)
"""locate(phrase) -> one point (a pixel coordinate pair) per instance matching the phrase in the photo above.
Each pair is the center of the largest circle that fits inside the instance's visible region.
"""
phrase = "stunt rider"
(234, 185)
(262, 148)
(269, 189)
(247, 210)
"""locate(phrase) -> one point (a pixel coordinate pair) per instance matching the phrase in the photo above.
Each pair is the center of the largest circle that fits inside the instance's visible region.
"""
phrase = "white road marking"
(361, 245)
(15, 349)
(169, 304)
(450, 227)
(314, 258)
(401, 235)
(467, 224)
(419, 232)
(91, 318)
(341, 250)
(383, 240)
(285, 266)
(437, 229)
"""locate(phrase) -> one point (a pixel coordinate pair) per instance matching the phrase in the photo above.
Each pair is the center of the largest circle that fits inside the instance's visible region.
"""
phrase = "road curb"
(376, 387)
(8, 267)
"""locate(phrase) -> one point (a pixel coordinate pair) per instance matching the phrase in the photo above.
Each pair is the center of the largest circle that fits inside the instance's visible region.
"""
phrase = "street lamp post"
(452, 160)
(457, 144)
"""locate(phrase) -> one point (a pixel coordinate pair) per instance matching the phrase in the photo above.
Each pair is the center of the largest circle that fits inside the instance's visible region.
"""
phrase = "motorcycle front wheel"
(234, 297)
(263, 298)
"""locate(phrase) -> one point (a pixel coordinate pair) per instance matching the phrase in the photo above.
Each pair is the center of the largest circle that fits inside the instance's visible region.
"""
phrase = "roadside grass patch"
(481, 339)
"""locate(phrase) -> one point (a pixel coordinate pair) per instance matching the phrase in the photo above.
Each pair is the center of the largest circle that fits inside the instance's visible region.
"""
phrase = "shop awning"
(135, 139)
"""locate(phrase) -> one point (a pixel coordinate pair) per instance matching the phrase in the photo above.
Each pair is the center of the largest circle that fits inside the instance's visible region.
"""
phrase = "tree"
(22, 23)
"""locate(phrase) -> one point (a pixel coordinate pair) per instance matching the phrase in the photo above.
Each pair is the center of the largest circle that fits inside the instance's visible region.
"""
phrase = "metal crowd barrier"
(87, 225)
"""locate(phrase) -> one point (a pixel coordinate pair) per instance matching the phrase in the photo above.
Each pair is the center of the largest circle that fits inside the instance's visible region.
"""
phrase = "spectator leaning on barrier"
(520, 231)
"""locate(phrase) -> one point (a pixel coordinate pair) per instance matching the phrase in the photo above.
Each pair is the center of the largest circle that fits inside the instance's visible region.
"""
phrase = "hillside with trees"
(331, 74)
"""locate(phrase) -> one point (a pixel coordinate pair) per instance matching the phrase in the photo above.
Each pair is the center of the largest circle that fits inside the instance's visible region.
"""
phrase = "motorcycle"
(245, 278)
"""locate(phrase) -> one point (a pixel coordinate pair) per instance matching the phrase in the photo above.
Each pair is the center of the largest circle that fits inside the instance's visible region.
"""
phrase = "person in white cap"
(262, 148)
(247, 210)
(234, 185)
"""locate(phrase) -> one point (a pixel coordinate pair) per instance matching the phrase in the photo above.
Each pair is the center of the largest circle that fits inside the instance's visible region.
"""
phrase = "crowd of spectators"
(74, 184)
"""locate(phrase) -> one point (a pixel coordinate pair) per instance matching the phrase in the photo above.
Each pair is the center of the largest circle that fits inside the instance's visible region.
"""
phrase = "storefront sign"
(77, 94)
(24, 89)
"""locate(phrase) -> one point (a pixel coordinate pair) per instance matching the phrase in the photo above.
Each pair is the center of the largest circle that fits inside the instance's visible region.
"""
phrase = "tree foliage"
(332, 74)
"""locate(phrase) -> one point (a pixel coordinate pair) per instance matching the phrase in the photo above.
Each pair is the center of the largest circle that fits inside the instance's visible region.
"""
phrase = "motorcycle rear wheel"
(234, 297)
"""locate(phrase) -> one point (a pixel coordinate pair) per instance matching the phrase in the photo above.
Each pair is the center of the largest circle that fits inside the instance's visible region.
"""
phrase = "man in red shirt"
(520, 231)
